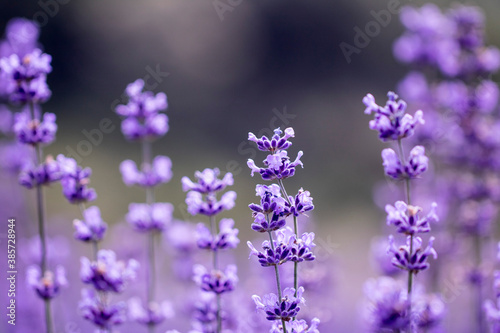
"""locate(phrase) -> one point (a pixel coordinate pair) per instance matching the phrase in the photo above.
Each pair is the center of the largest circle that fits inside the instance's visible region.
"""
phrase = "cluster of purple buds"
(154, 217)
(406, 218)
(92, 228)
(285, 308)
(153, 314)
(47, 285)
(33, 131)
(104, 316)
(202, 199)
(415, 166)
(157, 173)
(411, 257)
(143, 119)
(75, 180)
(284, 244)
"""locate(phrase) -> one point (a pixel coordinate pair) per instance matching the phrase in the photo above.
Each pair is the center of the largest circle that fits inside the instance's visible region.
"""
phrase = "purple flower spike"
(388, 305)
(277, 166)
(226, 239)
(216, 281)
(32, 131)
(27, 68)
(269, 257)
(415, 261)
(207, 181)
(417, 163)
(92, 228)
(154, 314)
(277, 141)
(296, 326)
(302, 203)
(43, 174)
(107, 274)
(154, 217)
(49, 285)
(210, 206)
(280, 309)
(21, 37)
(141, 104)
(160, 172)
(104, 316)
(406, 218)
(391, 121)
(74, 181)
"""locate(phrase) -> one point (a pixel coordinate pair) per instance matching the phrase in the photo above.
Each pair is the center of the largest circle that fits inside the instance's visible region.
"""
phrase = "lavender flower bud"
(215, 281)
(154, 314)
(92, 228)
(278, 166)
(226, 239)
(144, 217)
(32, 131)
(74, 181)
(391, 121)
(276, 143)
(48, 285)
(415, 261)
(271, 257)
(21, 36)
(389, 305)
(280, 309)
(43, 174)
(406, 218)
(262, 224)
(207, 181)
(104, 316)
(196, 204)
(429, 311)
(296, 326)
(302, 203)
(160, 172)
(107, 274)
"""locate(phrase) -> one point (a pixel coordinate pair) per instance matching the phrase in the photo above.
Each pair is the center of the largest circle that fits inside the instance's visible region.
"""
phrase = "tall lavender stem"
(278, 283)
(151, 268)
(213, 228)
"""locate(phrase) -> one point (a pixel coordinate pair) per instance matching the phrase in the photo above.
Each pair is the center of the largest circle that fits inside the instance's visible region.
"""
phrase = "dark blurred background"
(248, 67)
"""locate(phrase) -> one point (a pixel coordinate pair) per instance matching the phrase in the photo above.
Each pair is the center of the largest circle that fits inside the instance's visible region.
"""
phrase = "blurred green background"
(230, 73)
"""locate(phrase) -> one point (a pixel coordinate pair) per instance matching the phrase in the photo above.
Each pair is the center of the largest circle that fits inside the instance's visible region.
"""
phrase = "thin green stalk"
(151, 267)
(213, 228)
(278, 283)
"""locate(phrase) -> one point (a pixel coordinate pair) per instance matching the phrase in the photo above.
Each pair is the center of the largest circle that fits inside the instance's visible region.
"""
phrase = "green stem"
(278, 283)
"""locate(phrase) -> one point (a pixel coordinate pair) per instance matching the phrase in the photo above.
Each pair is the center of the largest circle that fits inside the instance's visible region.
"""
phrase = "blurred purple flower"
(75, 181)
(226, 239)
(159, 172)
(107, 274)
(207, 181)
(92, 228)
(154, 314)
(32, 131)
(296, 326)
(215, 281)
(21, 37)
(144, 217)
(48, 285)
(103, 315)
(43, 174)
(209, 206)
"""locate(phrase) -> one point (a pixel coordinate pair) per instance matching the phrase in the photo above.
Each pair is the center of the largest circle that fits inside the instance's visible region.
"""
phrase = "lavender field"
(236, 166)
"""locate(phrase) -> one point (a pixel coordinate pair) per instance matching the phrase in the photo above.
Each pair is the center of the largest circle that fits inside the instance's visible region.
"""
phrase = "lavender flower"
(406, 218)
(210, 206)
(207, 181)
(280, 309)
(262, 223)
(160, 172)
(271, 200)
(21, 37)
(74, 181)
(277, 142)
(48, 285)
(216, 281)
(429, 311)
(391, 121)
(274, 255)
(107, 274)
(414, 261)
(32, 131)
(297, 326)
(226, 239)
(388, 305)
(43, 174)
(154, 314)
(143, 119)
(104, 316)
(277, 166)
(416, 165)
(144, 217)
(302, 203)
(92, 228)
